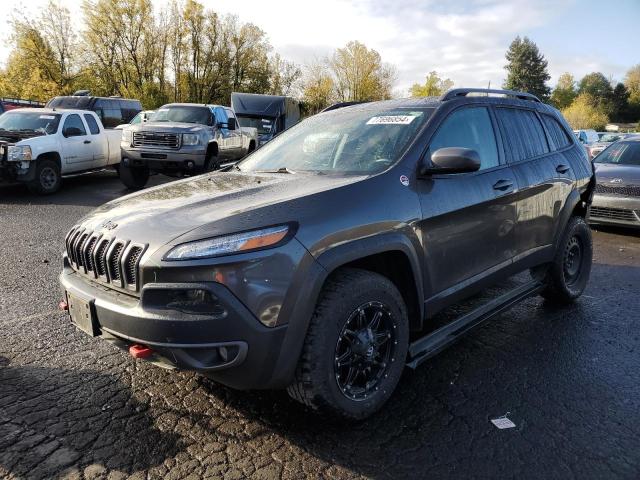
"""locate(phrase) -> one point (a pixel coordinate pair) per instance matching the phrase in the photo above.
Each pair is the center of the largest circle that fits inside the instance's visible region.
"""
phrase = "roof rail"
(463, 92)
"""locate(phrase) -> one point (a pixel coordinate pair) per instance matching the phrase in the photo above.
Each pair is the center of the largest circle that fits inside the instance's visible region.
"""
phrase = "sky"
(464, 40)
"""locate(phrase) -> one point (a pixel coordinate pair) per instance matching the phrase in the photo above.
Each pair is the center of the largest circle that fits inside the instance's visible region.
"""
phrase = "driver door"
(468, 218)
(77, 151)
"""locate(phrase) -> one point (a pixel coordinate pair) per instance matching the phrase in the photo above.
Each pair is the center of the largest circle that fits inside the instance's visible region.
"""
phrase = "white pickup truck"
(40, 146)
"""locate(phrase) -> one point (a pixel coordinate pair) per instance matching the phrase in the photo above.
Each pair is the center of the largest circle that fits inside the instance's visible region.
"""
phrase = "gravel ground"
(76, 407)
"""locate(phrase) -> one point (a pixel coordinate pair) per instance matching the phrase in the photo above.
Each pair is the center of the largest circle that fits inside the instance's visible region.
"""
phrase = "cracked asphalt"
(76, 407)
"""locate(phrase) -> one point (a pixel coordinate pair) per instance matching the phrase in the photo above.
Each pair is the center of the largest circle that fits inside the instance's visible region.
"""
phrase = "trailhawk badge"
(404, 180)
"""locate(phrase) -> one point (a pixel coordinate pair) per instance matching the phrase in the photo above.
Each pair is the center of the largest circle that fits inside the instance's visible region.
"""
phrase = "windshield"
(360, 140)
(264, 125)
(621, 153)
(46, 123)
(183, 114)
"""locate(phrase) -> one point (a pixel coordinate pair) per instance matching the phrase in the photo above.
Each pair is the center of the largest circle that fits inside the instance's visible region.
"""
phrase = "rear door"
(468, 218)
(99, 144)
(77, 150)
(544, 179)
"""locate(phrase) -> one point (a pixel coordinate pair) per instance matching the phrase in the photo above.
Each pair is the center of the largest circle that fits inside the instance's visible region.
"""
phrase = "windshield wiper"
(279, 170)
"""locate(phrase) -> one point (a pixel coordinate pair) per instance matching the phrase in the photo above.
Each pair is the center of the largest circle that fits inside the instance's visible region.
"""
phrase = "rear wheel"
(355, 348)
(47, 178)
(134, 178)
(567, 276)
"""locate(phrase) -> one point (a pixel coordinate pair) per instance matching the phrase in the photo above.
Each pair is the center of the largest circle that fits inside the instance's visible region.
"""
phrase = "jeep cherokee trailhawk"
(318, 263)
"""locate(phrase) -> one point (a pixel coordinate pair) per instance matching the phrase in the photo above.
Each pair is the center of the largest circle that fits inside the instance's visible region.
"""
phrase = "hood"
(622, 174)
(208, 205)
(171, 127)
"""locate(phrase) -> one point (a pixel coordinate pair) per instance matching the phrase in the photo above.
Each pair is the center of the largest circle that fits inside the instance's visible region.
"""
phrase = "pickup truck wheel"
(47, 178)
(211, 163)
(355, 348)
(567, 276)
(134, 178)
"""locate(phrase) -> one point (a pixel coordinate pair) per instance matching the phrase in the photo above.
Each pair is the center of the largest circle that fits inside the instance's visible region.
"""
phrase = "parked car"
(586, 137)
(141, 117)
(183, 138)
(40, 146)
(269, 114)
(112, 111)
(318, 265)
(617, 194)
(603, 142)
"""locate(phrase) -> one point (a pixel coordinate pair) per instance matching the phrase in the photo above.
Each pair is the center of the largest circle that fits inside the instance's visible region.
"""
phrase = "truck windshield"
(621, 153)
(183, 114)
(46, 123)
(264, 125)
(360, 140)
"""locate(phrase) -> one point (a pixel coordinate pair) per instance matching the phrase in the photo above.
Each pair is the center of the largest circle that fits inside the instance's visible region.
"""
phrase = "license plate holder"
(82, 314)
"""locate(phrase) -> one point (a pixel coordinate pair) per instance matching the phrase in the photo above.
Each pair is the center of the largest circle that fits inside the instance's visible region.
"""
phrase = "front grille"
(156, 139)
(108, 260)
(622, 190)
(614, 214)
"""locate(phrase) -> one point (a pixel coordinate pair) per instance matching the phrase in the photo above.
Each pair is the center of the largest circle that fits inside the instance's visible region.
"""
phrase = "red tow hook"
(63, 305)
(140, 351)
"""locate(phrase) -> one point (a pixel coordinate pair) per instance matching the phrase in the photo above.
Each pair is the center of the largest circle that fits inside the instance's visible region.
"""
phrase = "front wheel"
(47, 178)
(355, 348)
(566, 277)
(134, 178)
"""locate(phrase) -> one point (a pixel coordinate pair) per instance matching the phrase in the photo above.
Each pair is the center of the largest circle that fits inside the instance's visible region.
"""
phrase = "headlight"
(19, 153)
(239, 242)
(190, 139)
(127, 135)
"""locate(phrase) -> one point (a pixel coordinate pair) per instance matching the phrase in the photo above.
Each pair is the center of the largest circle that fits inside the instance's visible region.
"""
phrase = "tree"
(318, 88)
(598, 87)
(583, 113)
(565, 92)
(620, 104)
(284, 76)
(434, 86)
(526, 68)
(360, 75)
(632, 84)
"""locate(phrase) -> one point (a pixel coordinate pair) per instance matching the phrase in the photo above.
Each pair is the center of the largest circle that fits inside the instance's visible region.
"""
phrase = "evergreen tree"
(620, 104)
(527, 68)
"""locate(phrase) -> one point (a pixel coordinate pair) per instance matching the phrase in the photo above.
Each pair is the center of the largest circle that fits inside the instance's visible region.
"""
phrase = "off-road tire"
(316, 382)
(211, 164)
(47, 178)
(560, 284)
(134, 178)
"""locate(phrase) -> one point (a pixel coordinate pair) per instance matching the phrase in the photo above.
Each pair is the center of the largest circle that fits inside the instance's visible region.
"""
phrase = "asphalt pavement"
(76, 407)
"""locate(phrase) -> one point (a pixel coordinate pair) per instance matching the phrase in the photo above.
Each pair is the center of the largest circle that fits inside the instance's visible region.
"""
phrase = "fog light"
(198, 301)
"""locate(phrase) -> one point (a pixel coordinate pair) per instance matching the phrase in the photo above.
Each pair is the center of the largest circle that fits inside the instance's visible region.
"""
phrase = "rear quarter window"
(524, 137)
(559, 137)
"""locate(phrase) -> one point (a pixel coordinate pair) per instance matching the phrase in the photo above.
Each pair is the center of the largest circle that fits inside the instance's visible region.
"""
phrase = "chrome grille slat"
(156, 139)
(614, 213)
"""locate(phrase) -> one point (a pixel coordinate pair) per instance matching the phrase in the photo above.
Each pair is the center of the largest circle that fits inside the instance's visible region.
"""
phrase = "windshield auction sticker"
(391, 120)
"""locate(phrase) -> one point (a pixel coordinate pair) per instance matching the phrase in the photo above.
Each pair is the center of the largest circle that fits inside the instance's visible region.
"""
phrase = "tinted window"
(621, 153)
(559, 136)
(183, 114)
(80, 103)
(74, 121)
(93, 125)
(469, 128)
(524, 137)
(111, 117)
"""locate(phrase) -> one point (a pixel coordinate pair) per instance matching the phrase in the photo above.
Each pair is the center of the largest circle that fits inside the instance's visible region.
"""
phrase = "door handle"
(563, 168)
(86, 142)
(503, 185)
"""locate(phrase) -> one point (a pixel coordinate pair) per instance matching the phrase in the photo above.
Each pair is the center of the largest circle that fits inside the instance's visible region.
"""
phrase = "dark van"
(113, 111)
(270, 114)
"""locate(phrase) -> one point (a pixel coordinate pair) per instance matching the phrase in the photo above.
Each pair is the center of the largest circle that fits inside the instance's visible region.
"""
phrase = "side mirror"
(72, 132)
(452, 160)
(232, 124)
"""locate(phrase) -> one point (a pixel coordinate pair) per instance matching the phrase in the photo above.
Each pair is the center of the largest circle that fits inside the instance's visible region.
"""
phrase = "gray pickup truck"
(183, 138)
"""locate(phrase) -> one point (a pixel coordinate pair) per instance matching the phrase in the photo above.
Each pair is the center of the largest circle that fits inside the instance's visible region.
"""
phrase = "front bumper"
(615, 210)
(11, 172)
(234, 348)
(157, 159)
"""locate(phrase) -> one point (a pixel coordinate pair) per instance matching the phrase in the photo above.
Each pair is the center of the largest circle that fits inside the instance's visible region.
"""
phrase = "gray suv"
(319, 262)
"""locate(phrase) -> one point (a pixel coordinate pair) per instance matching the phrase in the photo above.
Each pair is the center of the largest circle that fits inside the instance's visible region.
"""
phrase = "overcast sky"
(463, 40)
